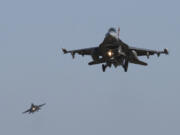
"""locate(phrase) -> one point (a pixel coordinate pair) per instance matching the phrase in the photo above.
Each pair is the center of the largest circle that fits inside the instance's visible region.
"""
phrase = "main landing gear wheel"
(125, 66)
(103, 67)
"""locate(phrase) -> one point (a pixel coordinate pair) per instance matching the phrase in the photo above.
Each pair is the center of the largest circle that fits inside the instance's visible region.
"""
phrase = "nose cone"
(112, 33)
(112, 30)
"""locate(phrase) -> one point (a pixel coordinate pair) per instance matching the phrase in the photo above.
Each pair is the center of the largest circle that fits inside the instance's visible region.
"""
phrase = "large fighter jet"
(34, 108)
(113, 51)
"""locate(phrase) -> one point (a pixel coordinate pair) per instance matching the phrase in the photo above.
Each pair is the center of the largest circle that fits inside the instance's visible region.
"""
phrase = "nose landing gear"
(104, 67)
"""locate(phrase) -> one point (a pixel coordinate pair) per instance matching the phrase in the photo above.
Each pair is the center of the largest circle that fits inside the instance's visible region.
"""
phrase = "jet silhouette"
(113, 51)
(34, 108)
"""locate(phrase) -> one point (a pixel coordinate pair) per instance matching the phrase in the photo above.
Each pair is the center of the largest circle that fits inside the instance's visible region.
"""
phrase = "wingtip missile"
(64, 50)
(166, 51)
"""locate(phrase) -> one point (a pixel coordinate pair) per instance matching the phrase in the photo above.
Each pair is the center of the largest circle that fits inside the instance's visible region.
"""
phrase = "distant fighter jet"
(34, 108)
(113, 51)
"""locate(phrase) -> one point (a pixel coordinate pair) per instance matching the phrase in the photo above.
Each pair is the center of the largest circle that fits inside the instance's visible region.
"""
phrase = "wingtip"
(24, 112)
(166, 51)
(64, 50)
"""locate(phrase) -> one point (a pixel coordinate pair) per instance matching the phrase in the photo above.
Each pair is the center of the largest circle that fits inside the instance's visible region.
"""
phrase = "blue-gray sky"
(81, 99)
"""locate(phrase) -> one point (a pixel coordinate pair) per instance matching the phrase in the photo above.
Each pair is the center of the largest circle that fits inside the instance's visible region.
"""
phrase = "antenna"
(118, 32)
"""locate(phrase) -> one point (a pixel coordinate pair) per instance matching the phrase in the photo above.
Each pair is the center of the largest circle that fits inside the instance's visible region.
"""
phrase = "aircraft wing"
(26, 111)
(97, 61)
(41, 105)
(86, 51)
(148, 52)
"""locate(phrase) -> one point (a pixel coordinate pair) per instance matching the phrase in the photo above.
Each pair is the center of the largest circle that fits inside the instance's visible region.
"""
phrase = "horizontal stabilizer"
(139, 62)
(96, 62)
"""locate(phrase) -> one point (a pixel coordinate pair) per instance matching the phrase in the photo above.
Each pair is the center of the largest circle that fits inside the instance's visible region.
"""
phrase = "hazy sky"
(81, 99)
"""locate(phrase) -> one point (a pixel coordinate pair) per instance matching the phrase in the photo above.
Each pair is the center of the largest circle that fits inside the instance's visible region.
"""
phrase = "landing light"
(110, 53)
(33, 108)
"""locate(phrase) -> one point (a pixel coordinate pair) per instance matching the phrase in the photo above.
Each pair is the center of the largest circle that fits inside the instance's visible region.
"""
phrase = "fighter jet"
(34, 108)
(113, 51)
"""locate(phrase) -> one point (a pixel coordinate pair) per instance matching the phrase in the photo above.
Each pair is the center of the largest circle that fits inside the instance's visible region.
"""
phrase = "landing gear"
(104, 67)
(125, 65)
(125, 68)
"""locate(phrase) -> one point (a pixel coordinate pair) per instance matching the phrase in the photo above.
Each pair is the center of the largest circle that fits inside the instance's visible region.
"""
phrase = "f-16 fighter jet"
(113, 51)
(34, 108)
